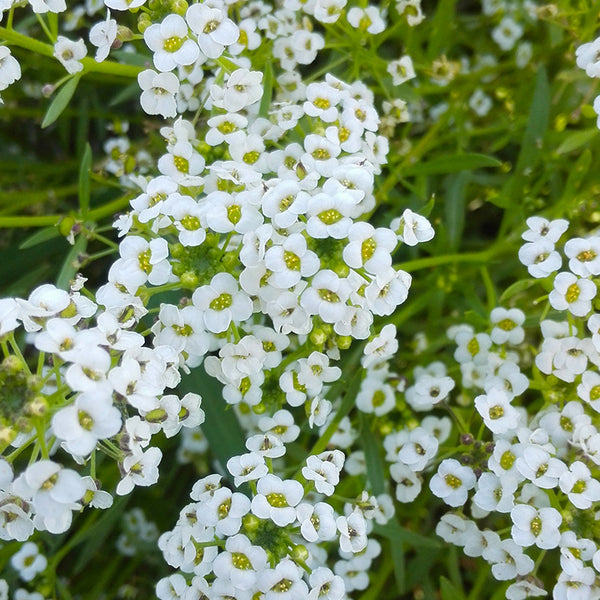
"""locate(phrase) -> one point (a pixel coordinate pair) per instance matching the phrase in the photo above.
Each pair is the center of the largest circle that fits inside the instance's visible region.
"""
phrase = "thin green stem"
(43, 25)
(89, 64)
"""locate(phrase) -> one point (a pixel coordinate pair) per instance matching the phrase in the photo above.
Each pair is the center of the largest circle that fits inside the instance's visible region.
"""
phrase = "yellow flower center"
(173, 44)
(181, 164)
(331, 216)
(85, 420)
(190, 223)
(222, 302)
(573, 292)
(277, 500)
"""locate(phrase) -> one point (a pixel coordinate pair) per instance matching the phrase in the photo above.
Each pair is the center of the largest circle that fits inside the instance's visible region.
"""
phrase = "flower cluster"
(539, 468)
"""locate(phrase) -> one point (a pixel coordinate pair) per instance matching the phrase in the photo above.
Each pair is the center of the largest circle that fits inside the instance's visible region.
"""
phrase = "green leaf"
(576, 140)
(84, 181)
(442, 26)
(576, 175)
(449, 591)
(374, 462)
(515, 288)
(454, 207)
(43, 235)
(411, 538)
(397, 551)
(61, 100)
(265, 102)
(537, 123)
(95, 534)
(127, 93)
(221, 426)
(452, 164)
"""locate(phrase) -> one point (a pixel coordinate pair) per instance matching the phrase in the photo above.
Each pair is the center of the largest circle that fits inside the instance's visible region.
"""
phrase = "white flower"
(508, 560)
(10, 69)
(54, 493)
(325, 585)
(535, 526)
(276, 499)
(572, 294)
(401, 70)
(158, 92)
(543, 229)
(409, 484)
(213, 29)
(353, 532)
(317, 522)
(480, 102)
(284, 581)
(90, 418)
(242, 89)
(584, 255)
(537, 465)
(102, 35)
(70, 53)
(452, 482)
(247, 467)
(412, 228)
(507, 33)
(369, 247)
(44, 6)
(579, 485)
(139, 468)
(540, 258)
(28, 561)
(124, 4)
(222, 303)
(241, 562)
(367, 19)
(507, 325)
(497, 412)
(588, 59)
(170, 43)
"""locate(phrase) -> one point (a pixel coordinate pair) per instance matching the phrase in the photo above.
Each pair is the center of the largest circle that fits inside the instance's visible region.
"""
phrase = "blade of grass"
(84, 181)
(60, 101)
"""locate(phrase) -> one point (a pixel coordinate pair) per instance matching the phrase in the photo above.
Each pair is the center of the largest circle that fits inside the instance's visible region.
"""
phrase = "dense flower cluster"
(538, 468)
(257, 215)
(248, 252)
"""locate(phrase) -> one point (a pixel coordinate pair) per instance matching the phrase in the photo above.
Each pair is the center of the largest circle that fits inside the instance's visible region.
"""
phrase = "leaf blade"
(60, 101)
(453, 164)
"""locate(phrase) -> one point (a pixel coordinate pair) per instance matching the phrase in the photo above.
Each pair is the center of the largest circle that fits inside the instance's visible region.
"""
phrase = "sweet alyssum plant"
(254, 251)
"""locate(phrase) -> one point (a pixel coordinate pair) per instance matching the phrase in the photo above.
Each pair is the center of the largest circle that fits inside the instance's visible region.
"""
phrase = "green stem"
(434, 261)
(89, 64)
(45, 28)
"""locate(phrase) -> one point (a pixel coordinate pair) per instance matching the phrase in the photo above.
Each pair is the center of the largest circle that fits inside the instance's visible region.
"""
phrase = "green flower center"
(506, 324)
(331, 216)
(573, 292)
(85, 420)
(368, 249)
(496, 412)
(291, 260)
(173, 44)
(328, 295)
(536, 526)
(234, 213)
(190, 223)
(240, 561)
(144, 261)
(181, 164)
(277, 500)
(452, 481)
(222, 302)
